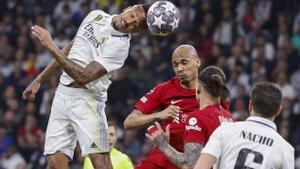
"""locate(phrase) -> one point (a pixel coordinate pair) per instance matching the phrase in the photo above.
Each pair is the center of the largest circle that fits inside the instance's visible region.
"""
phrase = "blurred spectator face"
(226, 15)
(13, 105)
(30, 108)
(240, 92)
(256, 26)
(208, 20)
(22, 42)
(226, 5)
(20, 55)
(281, 78)
(112, 133)
(9, 118)
(9, 93)
(30, 122)
(237, 51)
(2, 132)
(206, 6)
(216, 51)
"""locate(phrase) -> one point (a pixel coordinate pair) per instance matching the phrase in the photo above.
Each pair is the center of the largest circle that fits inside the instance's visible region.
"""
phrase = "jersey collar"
(262, 121)
(114, 32)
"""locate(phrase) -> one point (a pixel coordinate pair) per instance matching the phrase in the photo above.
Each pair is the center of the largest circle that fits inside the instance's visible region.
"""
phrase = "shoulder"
(287, 147)
(164, 85)
(96, 15)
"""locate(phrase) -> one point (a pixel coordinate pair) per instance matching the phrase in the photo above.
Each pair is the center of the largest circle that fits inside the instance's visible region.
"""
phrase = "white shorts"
(77, 114)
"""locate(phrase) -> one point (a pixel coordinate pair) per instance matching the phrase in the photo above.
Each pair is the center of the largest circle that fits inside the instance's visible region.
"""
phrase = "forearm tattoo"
(163, 145)
(81, 75)
(191, 154)
(54, 67)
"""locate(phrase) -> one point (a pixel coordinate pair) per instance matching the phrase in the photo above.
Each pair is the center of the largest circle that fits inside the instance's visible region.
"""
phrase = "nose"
(180, 67)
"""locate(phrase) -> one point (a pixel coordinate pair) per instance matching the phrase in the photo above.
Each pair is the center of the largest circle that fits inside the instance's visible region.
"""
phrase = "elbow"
(127, 125)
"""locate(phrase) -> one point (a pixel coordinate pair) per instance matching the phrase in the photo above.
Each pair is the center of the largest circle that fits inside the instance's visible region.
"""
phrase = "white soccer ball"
(163, 18)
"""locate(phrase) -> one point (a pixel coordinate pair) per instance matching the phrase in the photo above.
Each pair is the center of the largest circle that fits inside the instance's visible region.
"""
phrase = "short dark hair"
(112, 124)
(266, 98)
(214, 81)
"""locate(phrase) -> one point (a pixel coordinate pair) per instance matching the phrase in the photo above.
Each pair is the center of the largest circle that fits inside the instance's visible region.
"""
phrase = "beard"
(185, 82)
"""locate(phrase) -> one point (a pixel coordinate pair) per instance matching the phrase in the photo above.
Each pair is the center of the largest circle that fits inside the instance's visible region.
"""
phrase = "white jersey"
(253, 143)
(96, 40)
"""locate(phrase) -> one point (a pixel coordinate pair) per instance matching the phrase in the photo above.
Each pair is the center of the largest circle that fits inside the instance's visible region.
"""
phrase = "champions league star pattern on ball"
(163, 18)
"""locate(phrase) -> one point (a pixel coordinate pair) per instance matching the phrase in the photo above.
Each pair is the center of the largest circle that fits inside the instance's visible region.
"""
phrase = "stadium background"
(251, 40)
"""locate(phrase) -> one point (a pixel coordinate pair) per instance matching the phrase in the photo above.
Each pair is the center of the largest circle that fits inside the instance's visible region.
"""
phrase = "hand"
(171, 111)
(159, 137)
(43, 36)
(31, 90)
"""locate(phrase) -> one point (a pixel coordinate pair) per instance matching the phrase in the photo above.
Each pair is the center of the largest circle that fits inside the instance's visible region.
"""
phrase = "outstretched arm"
(82, 76)
(52, 68)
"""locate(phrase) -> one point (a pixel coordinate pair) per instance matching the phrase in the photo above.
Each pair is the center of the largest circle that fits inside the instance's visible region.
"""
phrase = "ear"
(279, 110)
(250, 108)
(198, 62)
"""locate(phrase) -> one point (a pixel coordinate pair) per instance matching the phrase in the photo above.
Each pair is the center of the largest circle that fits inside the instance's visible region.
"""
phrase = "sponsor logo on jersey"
(196, 127)
(89, 34)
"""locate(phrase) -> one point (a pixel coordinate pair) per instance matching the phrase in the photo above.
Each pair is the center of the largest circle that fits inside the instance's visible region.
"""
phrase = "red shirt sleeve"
(151, 101)
(195, 129)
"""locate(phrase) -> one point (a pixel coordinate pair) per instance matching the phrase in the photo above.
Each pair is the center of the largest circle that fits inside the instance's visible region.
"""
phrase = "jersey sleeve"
(114, 54)
(151, 101)
(91, 16)
(214, 144)
(195, 129)
(289, 161)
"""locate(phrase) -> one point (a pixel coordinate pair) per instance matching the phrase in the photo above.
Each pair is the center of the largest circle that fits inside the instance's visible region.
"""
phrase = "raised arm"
(53, 68)
(82, 76)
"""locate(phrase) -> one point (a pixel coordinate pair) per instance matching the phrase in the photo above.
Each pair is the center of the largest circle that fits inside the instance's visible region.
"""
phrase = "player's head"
(265, 100)
(132, 19)
(185, 62)
(212, 80)
(112, 134)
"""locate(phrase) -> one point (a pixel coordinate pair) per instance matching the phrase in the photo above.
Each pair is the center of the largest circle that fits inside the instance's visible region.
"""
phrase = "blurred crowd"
(251, 40)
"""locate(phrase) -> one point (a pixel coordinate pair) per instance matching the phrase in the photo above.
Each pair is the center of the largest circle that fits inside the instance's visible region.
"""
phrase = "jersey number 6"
(243, 154)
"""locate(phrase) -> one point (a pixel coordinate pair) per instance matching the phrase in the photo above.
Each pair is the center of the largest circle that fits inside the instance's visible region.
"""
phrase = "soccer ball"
(163, 18)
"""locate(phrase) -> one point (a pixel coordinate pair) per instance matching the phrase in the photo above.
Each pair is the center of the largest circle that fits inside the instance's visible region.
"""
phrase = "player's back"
(256, 144)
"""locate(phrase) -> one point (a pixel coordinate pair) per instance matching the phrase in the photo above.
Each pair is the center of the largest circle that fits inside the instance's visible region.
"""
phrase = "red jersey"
(159, 98)
(200, 124)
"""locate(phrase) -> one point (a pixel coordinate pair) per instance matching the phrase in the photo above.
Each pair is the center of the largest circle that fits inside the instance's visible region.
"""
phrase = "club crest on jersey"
(192, 121)
(98, 18)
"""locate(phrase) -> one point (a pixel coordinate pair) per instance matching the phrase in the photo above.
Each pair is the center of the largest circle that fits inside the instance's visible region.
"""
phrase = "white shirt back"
(96, 40)
(252, 144)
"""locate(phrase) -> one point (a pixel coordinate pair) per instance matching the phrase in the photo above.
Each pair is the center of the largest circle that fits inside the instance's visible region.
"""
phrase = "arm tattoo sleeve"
(80, 74)
(54, 67)
(191, 154)
(175, 156)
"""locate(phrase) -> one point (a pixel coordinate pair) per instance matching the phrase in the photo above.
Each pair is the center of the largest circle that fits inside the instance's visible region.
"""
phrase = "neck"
(258, 115)
(191, 85)
(206, 100)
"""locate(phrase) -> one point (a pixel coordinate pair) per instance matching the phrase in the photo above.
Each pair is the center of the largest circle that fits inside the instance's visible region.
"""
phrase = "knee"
(51, 163)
